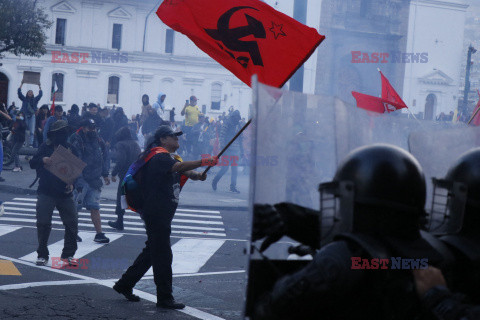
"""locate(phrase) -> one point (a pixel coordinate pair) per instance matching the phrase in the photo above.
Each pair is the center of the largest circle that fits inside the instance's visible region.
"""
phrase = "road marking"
(189, 255)
(54, 221)
(147, 296)
(84, 248)
(186, 222)
(113, 205)
(134, 234)
(7, 268)
(134, 216)
(43, 284)
(7, 229)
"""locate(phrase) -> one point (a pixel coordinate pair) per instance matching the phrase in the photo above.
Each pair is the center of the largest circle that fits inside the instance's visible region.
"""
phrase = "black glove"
(297, 222)
(267, 222)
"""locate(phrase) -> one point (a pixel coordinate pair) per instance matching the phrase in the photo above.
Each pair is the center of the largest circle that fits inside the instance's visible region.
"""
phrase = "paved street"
(209, 266)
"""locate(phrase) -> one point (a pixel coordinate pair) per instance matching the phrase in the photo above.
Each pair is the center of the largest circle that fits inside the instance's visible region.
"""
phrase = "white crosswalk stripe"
(189, 255)
(186, 222)
(84, 248)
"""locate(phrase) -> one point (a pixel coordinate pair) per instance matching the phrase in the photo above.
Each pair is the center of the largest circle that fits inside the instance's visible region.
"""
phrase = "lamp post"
(471, 50)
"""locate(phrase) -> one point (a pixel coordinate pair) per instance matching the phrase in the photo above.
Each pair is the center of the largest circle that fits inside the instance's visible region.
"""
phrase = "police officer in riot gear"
(458, 224)
(381, 190)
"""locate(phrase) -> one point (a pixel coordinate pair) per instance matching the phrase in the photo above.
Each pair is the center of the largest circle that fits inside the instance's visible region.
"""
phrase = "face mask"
(21, 118)
(92, 135)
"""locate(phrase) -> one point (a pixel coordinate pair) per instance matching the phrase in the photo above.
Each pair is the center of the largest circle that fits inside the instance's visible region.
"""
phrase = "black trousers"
(68, 214)
(118, 209)
(157, 254)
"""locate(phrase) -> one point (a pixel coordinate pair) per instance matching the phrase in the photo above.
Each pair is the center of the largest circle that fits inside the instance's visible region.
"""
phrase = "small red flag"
(52, 108)
(370, 103)
(245, 36)
(389, 94)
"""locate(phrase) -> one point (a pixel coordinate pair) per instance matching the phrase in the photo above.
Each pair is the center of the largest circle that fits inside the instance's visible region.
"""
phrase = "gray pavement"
(194, 194)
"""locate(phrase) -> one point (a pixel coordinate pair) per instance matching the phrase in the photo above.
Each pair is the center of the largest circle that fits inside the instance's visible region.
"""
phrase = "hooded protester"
(54, 193)
(74, 118)
(234, 152)
(145, 106)
(18, 131)
(151, 124)
(29, 108)
(120, 120)
(159, 105)
(41, 118)
(92, 150)
(125, 152)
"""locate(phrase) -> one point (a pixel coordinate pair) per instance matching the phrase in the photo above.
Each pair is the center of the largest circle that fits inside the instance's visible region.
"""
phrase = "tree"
(22, 28)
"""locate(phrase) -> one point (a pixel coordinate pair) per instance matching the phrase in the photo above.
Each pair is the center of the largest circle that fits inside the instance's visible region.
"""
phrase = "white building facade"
(435, 27)
(113, 52)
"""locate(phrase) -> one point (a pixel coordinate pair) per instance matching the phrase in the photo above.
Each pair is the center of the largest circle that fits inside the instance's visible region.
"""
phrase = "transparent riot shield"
(298, 142)
(437, 150)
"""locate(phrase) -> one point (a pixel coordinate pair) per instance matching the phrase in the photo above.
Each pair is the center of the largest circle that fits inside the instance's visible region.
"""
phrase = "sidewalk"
(194, 194)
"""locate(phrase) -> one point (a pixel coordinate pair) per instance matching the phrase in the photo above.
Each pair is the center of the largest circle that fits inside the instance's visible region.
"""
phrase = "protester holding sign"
(29, 108)
(54, 193)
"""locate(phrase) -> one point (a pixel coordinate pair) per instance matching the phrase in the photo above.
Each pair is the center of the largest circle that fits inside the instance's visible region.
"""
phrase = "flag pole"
(473, 115)
(230, 143)
(477, 107)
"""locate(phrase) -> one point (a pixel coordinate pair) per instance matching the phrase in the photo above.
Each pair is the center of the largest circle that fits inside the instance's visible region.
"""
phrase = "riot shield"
(298, 141)
(437, 150)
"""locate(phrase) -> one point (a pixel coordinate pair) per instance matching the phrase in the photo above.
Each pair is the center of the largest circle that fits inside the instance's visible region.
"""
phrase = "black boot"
(127, 292)
(118, 225)
(170, 304)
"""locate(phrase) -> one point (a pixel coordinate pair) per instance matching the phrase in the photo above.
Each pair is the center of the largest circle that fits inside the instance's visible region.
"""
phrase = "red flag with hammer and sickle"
(245, 36)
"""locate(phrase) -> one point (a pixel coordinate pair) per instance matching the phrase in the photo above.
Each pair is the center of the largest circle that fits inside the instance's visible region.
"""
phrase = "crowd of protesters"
(28, 126)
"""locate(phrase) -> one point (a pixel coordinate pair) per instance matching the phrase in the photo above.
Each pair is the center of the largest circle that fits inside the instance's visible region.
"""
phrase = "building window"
(57, 87)
(113, 89)
(169, 41)
(117, 36)
(60, 33)
(216, 96)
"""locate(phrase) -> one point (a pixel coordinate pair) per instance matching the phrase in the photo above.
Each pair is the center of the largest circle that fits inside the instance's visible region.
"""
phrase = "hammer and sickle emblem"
(231, 37)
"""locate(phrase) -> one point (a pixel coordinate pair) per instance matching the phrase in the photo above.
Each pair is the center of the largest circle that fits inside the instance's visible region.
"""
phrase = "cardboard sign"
(31, 77)
(65, 165)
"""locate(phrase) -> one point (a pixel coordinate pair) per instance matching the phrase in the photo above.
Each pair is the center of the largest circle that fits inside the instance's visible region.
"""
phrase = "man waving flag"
(245, 36)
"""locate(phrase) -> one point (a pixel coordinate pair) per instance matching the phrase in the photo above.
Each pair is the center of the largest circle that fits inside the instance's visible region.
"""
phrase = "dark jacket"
(107, 129)
(152, 123)
(48, 184)
(18, 130)
(26, 101)
(74, 121)
(94, 155)
(120, 120)
(125, 152)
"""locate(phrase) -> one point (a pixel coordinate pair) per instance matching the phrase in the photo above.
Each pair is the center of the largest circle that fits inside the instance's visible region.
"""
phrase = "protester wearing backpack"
(158, 174)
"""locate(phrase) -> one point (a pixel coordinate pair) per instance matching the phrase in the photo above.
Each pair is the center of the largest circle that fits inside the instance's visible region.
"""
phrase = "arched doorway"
(3, 88)
(430, 104)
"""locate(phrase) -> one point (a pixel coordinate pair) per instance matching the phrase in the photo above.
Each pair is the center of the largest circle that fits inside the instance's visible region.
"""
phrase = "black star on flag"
(277, 31)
